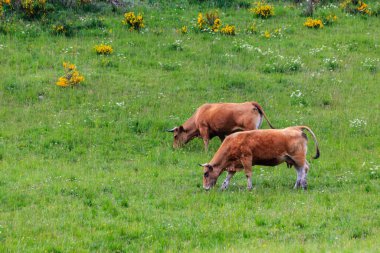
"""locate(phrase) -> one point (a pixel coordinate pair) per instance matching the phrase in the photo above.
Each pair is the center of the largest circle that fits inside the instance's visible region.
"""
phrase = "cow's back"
(228, 117)
(263, 144)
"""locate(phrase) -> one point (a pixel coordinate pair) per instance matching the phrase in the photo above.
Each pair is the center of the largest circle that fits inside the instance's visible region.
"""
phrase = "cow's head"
(210, 175)
(180, 136)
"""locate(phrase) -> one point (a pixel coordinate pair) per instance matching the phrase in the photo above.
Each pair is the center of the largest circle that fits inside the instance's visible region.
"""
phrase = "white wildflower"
(296, 93)
(358, 123)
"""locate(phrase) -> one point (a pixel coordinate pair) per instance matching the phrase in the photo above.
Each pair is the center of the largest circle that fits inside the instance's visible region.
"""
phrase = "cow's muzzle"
(207, 188)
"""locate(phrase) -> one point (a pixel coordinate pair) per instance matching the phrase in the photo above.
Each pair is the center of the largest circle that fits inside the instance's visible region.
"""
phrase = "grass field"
(91, 168)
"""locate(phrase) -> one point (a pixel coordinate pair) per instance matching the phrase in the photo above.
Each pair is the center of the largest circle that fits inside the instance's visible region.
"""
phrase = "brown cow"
(220, 120)
(268, 147)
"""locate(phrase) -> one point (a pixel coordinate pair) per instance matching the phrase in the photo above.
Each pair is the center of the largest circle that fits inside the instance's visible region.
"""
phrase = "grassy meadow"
(91, 168)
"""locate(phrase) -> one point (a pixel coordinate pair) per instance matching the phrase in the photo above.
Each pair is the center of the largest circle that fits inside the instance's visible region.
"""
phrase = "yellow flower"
(63, 82)
(216, 25)
(134, 23)
(129, 18)
(211, 16)
(68, 66)
(355, 7)
(263, 10)
(362, 6)
(140, 21)
(72, 76)
(103, 49)
(228, 30)
(58, 28)
(267, 34)
(313, 23)
(76, 78)
(200, 21)
(7, 2)
(184, 29)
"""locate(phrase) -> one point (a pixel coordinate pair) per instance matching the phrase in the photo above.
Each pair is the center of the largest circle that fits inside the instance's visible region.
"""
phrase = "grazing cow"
(220, 120)
(260, 147)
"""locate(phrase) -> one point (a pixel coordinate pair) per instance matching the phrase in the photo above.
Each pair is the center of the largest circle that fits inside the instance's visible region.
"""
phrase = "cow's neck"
(218, 168)
(191, 128)
(220, 163)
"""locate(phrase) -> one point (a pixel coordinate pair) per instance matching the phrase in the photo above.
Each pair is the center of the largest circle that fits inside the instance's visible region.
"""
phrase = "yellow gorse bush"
(228, 30)
(363, 8)
(103, 49)
(214, 24)
(263, 10)
(33, 8)
(313, 23)
(211, 23)
(71, 78)
(355, 7)
(211, 17)
(133, 22)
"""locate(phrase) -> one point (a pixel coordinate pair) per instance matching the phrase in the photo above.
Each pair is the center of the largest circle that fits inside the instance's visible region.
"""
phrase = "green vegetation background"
(91, 169)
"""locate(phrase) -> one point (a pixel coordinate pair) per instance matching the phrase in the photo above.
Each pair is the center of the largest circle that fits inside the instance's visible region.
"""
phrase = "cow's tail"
(315, 140)
(261, 111)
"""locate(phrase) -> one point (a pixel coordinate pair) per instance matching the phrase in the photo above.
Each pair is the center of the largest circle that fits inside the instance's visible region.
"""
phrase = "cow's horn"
(171, 130)
(203, 165)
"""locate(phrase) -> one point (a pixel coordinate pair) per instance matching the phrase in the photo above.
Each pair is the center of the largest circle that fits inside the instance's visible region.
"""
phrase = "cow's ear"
(181, 129)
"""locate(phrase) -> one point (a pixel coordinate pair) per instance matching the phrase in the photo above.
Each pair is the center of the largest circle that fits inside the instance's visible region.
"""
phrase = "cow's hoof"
(304, 184)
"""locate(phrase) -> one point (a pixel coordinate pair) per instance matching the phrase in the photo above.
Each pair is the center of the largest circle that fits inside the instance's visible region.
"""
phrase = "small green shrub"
(331, 63)
(177, 45)
(282, 64)
(371, 64)
(7, 27)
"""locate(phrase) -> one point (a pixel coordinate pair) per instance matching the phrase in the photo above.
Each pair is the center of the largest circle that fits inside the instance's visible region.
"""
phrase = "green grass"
(91, 169)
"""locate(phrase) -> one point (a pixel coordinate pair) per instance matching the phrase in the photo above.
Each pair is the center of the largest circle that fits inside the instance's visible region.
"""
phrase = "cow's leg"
(205, 136)
(227, 180)
(301, 176)
(247, 164)
(304, 180)
(301, 166)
